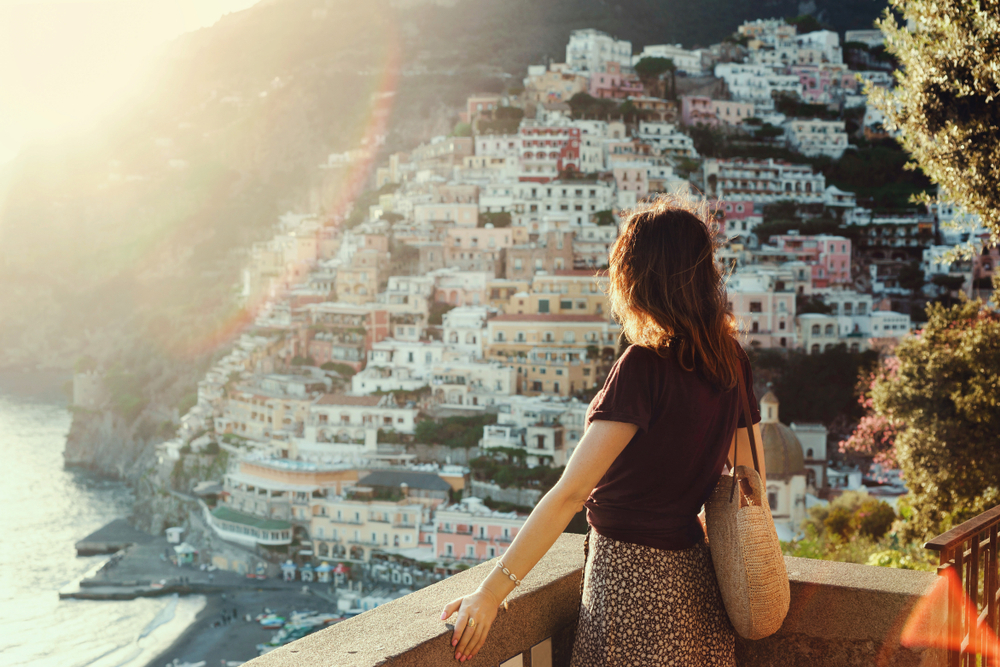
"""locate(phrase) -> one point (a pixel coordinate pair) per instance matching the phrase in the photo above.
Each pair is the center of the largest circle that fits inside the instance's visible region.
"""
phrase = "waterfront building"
(470, 532)
(352, 527)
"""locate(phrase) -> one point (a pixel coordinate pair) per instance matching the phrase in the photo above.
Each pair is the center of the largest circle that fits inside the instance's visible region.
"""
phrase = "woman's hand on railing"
(476, 613)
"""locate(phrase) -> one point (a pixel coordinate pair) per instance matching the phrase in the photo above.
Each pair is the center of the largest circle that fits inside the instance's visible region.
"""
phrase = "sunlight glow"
(63, 63)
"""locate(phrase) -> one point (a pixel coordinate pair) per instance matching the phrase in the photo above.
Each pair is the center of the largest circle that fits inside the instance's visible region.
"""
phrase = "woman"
(658, 435)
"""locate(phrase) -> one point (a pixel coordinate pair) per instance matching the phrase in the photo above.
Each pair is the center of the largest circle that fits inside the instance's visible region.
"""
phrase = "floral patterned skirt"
(643, 606)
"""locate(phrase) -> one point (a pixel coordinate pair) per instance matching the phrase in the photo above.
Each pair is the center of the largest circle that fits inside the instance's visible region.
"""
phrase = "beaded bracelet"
(511, 576)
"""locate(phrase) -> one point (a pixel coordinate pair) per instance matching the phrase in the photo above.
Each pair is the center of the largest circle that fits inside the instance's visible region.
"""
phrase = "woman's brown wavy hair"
(666, 290)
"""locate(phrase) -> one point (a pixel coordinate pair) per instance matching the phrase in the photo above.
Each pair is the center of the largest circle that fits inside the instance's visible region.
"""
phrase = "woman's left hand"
(476, 613)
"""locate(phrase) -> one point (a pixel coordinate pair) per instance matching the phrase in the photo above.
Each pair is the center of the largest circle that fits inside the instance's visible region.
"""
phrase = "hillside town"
(458, 314)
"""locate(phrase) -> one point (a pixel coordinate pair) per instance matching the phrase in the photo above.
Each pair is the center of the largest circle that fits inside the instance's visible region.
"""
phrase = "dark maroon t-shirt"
(652, 493)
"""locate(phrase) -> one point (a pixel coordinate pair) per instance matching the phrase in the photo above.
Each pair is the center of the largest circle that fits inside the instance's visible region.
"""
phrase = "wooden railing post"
(965, 550)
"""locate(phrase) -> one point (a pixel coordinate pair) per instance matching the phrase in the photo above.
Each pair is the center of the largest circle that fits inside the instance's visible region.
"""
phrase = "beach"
(208, 639)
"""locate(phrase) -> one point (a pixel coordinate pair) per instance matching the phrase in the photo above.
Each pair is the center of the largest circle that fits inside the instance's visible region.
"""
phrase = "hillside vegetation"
(140, 229)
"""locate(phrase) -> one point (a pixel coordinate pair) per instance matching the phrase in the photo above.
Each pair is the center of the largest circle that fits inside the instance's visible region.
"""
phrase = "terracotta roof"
(547, 317)
(344, 399)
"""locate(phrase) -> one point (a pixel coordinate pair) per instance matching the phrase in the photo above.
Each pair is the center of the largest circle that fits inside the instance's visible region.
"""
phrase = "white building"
(756, 84)
(573, 202)
(764, 181)
(814, 137)
(826, 42)
(686, 61)
(667, 139)
(463, 329)
(590, 50)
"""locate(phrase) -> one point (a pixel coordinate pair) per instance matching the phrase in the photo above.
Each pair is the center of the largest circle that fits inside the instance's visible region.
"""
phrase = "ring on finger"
(472, 622)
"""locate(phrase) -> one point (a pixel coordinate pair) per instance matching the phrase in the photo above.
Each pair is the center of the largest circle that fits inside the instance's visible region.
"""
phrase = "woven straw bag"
(745, 550)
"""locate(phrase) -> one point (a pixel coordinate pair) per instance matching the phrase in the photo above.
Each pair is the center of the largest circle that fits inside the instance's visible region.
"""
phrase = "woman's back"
(653, 491)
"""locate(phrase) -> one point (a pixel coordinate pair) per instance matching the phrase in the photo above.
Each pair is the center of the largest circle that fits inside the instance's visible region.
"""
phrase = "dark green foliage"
(604, 218)
(212, 448)
(817, 387)
(946, 98)
(778, 227)
(943, 396)
(463, 432)
(126, 392)
(948, 283)
(506, 475)
(587, 106)
(498, 219)
(793, 107)
(342, 369)
(874, 518)
(911, 277)
(462, 130)
(839, 522)
(651, 68)
(437, 310)
(811, 304)
(805, 23)
(299, 360)
(876, 174)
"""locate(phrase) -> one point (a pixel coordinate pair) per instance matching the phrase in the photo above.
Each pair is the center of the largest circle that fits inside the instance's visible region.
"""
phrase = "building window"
(772, 500)
(449, 550)
(755, 307)
(543, 305)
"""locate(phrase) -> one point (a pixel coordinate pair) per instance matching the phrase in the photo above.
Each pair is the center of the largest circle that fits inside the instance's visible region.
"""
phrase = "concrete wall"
(841, 615)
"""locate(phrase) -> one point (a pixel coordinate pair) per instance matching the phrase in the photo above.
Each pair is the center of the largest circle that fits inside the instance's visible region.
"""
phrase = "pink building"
(548, 150)
(471, 532)
(764, 306)
(699, 110)
(632, 178)
(739, 216)
(829, 256)
(612, 84)
(824, 83)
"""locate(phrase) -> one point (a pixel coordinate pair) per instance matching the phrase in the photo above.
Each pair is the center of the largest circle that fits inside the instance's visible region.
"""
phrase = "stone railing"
(841, 614)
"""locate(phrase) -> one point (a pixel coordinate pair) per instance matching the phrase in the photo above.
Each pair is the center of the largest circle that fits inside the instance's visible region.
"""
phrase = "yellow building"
(500, 290)
(359, 282)
(518, 334)
(343, 529)
(557, 370)
(566, 292)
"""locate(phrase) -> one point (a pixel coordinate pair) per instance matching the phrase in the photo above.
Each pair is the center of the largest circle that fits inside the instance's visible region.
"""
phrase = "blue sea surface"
(44, 510)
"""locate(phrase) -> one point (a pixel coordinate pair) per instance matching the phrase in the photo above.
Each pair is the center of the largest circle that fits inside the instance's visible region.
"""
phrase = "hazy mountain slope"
(139, 229)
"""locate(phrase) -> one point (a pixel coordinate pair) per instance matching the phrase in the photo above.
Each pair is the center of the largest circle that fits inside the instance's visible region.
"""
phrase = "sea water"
(44, 510)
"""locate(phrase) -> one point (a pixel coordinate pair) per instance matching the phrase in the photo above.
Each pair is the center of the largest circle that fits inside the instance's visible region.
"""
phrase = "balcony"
(841, 614)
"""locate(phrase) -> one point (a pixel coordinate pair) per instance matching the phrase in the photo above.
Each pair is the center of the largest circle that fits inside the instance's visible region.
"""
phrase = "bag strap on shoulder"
(745, 408)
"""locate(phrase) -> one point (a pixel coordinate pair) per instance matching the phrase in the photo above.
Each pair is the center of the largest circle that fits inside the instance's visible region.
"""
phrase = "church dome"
(782, 451)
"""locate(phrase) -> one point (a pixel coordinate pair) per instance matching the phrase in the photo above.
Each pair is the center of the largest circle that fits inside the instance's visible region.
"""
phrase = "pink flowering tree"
(875, 434)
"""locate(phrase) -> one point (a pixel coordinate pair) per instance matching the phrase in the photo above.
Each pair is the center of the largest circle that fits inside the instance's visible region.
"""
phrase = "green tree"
(945, 101)
(651, 69)
(943, 395)
(911, 277)
(804, 23)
